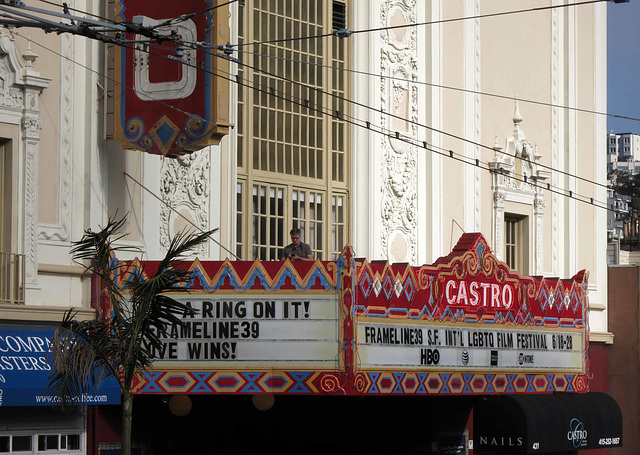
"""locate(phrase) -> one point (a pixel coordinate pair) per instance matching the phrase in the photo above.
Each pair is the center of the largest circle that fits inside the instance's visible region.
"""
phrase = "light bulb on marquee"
(180, 405)
(263, 402)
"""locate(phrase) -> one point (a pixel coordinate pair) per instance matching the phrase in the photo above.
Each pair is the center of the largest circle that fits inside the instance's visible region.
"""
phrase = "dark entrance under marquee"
(225, 424)
(547, 423)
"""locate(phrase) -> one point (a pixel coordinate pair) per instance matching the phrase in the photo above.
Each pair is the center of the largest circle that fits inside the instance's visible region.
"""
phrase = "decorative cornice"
(31, 313)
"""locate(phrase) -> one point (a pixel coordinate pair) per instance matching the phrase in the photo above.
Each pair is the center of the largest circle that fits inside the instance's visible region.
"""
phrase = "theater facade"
(461, 356)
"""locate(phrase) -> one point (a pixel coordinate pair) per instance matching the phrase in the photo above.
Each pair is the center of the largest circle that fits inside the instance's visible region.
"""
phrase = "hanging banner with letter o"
(171, 99)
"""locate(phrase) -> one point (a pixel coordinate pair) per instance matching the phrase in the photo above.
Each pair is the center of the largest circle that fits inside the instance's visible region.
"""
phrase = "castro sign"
(479, 293)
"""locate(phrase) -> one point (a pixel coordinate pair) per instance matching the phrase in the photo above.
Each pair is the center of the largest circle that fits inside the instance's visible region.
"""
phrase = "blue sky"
(623, 66)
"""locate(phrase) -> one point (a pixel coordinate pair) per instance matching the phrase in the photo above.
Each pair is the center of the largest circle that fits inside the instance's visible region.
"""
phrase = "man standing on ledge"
(297, 250)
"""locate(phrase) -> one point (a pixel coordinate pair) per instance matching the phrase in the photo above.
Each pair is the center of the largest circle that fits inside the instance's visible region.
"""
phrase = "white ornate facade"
(444, 87)
(518, 184)
(21, 87)
(458, 85)
(430, 147)
(399, 100)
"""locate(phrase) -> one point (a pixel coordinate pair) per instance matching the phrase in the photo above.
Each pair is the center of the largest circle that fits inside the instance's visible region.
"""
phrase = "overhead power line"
(272, 92)
(383, 112)
(64, 6)
(184, 17)
(346, 32)
(397, 136)
(446, 87)
(229, 48)
(381, 130)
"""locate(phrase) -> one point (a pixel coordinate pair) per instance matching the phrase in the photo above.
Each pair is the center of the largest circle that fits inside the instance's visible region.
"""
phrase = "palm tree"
(122, 344)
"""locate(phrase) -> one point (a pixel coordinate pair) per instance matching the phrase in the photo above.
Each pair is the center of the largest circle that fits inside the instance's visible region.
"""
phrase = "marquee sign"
(253, 331)
(469, 312)
(466, 324)
(452, 347)
(172, 99)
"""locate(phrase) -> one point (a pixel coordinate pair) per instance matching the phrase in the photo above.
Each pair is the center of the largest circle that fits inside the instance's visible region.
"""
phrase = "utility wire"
(184, 17)
(382, 112)
(479, 16)
(126, 87)
(395, 135)
(72, 27)
(63, 6)
(410, 121)
(446, 87)
(419, 24)
(126, 174)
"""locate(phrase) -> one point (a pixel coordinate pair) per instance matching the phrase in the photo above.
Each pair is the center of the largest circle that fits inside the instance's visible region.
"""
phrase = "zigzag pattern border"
(318, 382)
(245, 275)
(460, 383)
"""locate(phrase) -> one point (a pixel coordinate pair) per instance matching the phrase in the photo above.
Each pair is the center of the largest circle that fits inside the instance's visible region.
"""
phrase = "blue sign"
(25, 370)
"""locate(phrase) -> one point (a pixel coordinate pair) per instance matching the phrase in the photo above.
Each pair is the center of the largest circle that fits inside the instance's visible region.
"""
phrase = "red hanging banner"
(171, 97)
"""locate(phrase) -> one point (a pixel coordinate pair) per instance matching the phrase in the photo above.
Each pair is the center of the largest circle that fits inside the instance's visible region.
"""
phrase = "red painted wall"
(599, 382)
(624, 355)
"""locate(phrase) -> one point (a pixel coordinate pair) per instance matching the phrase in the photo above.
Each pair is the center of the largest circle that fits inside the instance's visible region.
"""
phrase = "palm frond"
(152, 312)
(84, 352)
(181, 243)
(95, 251)
(82, 355)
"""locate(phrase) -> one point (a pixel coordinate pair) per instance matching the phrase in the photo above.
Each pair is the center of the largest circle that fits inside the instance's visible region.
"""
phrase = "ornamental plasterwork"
(517, 177)
(185, 186)
(477, 109)
(20, 87)
(557, 83)
(31, 127)
(399, 100)
(61, 231)
(10, 96)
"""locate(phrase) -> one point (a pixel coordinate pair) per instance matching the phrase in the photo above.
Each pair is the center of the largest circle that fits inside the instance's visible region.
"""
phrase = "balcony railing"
(12, 273)
(630, 244)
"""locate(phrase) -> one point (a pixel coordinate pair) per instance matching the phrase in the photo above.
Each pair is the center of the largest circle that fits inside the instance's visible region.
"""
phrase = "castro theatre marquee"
(465, 325)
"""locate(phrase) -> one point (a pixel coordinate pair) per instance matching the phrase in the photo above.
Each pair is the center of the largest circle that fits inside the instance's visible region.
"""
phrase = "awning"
(546, 423)
(24, 370)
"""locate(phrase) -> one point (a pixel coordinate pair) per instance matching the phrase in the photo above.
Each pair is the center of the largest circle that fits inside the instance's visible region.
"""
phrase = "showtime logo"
(577, 434)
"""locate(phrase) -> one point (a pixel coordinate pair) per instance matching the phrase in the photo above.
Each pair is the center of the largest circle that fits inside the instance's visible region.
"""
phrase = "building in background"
(348, 121)
(622, 161)
(623, 152)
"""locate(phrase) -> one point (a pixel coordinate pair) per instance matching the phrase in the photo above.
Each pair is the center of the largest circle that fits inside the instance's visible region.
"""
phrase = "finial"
(536, 154)
(517, 117)
(29, 56)
(497, 147)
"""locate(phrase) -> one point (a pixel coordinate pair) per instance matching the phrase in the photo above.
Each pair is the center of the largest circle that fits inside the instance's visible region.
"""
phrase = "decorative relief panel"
(399, 101)
(60, 232)
(518, 177)
(20, 87)
(557, 78)
(185, 186)
(10, 96)
(477, 109)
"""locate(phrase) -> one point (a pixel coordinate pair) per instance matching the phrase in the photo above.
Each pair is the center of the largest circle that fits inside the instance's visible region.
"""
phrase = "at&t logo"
(465, 357)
